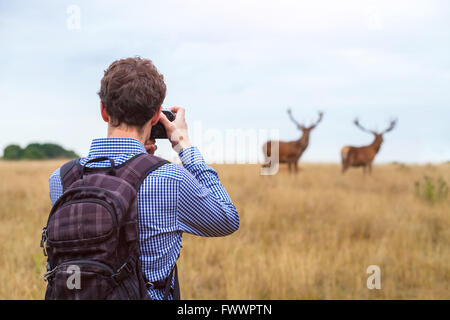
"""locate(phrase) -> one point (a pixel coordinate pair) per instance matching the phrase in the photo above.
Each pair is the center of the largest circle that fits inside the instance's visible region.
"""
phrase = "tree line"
(37, 151)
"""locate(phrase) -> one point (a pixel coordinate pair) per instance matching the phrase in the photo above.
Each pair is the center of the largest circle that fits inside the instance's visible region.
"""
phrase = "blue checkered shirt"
(171, 200)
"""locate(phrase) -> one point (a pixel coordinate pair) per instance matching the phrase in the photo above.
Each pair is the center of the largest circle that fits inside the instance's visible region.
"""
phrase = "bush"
(432, 191)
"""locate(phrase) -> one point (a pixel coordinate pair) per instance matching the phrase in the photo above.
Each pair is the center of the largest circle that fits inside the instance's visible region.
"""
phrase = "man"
(171, 199)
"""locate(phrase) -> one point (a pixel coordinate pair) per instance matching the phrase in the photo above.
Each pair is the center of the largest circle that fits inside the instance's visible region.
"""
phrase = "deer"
(291, 151)
(364, 156)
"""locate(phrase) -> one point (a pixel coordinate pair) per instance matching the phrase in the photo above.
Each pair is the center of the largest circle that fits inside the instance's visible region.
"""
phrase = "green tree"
(34, 151)
(13, 152)
(53, 150)
(37, 151)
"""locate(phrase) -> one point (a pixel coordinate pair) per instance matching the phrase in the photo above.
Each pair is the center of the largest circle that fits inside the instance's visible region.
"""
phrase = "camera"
(158, 130)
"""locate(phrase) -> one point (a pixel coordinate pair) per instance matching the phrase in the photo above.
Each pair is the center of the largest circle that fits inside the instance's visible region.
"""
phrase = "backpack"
(91, 237)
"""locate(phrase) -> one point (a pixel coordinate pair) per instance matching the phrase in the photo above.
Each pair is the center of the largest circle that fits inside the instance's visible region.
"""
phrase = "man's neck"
(126, 132)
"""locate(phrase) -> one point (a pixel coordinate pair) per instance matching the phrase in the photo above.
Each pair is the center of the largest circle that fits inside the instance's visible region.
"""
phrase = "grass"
(309, 236)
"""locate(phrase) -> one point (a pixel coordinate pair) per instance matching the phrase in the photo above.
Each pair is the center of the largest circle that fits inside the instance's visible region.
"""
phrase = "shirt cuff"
(191, 156)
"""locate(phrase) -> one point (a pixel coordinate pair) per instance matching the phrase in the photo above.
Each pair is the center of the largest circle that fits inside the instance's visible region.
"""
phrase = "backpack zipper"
(103, 203)
(91, 262)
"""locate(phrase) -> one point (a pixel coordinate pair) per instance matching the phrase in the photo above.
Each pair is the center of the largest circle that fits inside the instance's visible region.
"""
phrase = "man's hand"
(150, 146)
(177, 130)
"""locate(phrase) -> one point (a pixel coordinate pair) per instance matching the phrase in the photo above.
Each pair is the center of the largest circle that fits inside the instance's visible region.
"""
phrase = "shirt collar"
(115, 146)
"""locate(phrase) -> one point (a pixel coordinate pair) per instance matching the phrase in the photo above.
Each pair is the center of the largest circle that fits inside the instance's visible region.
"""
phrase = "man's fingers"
(177, 129)
(175, 109)
(150, 146)
(163, 119)
(150, 142)
(179, 111)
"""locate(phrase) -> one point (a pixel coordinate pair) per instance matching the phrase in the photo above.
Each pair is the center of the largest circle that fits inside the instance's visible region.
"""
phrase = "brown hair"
(132, 90)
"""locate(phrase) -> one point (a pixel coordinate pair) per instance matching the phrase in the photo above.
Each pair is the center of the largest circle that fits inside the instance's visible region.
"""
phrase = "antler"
(318, 120)
(356, 122)
(391, 126)
(289, 111)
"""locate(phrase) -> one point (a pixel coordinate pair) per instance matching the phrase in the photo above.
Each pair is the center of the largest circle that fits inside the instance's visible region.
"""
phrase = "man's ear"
(154, 120)
(103, 112)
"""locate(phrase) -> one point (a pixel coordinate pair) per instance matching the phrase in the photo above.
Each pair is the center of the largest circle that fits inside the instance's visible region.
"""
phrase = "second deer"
(363, 156)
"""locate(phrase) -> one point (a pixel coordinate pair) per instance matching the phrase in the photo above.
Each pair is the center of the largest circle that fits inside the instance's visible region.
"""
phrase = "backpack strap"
(175, 291)
(135, 170)
(166, 285)
(69, 173)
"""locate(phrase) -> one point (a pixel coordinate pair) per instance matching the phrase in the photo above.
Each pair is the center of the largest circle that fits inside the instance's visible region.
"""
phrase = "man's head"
(131, 93)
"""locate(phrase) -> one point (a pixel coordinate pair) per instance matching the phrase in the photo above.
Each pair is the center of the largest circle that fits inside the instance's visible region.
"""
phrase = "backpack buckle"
(49, 273)
(44, 241)
(122, 272)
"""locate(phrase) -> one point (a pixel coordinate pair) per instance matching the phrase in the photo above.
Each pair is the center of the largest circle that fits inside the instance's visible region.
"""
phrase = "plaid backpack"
(91, 238)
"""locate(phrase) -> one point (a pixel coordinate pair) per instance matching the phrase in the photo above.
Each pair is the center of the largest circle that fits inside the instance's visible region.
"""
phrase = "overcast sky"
(236, 65)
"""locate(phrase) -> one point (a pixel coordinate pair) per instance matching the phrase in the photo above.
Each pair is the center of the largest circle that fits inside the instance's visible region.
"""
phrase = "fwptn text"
(226, 309)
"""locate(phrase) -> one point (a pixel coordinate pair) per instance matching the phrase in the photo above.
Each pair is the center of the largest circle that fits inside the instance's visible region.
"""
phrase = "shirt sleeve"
(55, 186)
(204, 206)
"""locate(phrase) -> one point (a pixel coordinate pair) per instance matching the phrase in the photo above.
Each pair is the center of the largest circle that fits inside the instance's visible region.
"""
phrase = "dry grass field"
(309, 236)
